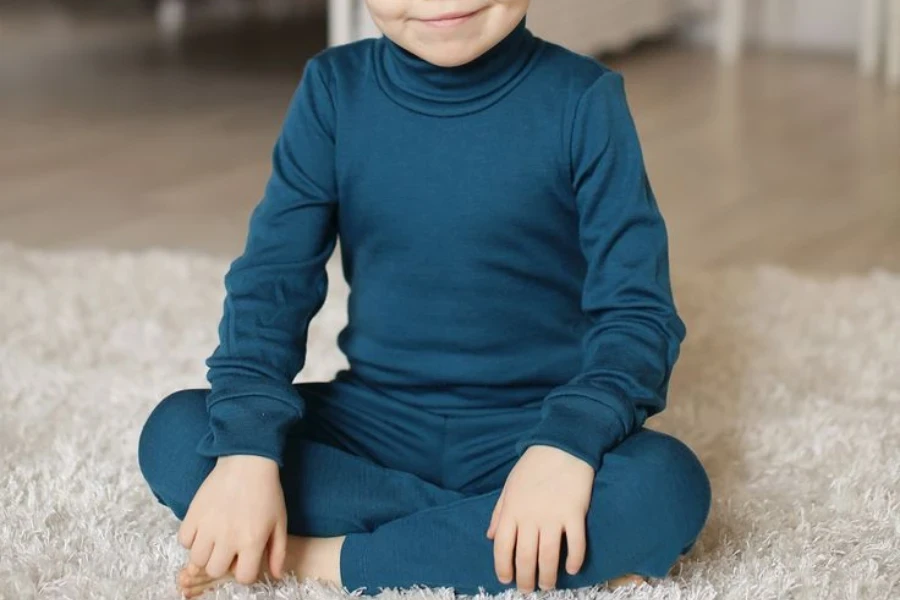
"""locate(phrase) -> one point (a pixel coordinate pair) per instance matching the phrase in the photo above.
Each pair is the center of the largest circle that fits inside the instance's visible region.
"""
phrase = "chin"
(448, 57)
(448, 61)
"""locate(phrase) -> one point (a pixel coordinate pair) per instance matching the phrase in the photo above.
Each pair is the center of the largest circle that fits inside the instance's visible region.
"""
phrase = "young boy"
(511, 327)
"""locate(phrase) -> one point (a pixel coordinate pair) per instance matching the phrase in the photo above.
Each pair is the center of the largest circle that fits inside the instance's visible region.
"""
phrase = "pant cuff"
(354, 563)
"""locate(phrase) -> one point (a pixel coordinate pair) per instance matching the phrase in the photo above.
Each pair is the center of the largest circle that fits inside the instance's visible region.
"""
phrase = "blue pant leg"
(651, 499)
(650, 502)
(328, 490)
(167, 450)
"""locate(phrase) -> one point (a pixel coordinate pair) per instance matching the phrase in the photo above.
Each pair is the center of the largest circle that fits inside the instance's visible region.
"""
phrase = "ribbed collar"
(452, 91)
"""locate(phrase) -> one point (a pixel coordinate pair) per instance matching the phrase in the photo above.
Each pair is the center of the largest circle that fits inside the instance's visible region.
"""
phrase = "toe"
(199, 587)
(203, 581)
(195, 590)
(626, 580)
(184, 580)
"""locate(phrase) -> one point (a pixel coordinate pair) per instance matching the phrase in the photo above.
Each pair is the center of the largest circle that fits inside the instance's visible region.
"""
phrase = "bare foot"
(625, 580)
(193, 581)
(316, 558)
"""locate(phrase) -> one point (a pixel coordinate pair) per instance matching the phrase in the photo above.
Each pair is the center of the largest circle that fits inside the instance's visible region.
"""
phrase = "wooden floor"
(109, 139)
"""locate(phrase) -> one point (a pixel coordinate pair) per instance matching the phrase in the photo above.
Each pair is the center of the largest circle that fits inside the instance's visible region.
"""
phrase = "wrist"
(248, 460)
(558, 450)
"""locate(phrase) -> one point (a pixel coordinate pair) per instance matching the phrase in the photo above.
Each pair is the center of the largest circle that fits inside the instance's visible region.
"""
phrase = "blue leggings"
(413, 489)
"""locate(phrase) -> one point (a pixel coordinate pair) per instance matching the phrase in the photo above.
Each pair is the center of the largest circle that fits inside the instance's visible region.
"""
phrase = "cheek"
(387, 11)
(515, 5)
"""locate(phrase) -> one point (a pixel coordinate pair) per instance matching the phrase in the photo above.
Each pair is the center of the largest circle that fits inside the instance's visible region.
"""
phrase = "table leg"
(340, 22)
(892, 66)
(732, 14)
(869, 36)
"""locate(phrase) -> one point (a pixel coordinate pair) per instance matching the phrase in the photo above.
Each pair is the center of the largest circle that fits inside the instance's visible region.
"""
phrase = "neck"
(430, 89)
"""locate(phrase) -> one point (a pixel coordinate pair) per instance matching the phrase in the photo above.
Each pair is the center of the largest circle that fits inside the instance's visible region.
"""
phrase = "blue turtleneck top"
(498, 233)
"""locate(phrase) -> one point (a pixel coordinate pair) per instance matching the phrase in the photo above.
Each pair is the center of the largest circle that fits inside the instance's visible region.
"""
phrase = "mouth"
(450, 19)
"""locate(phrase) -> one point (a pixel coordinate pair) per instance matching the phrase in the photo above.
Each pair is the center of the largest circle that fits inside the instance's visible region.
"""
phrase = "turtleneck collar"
(452, 91)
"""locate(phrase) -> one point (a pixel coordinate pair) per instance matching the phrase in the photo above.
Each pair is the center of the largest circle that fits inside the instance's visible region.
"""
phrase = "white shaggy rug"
(788, 389)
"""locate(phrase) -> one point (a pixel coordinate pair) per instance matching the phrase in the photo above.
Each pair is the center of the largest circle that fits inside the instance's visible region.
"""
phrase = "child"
(511, 327)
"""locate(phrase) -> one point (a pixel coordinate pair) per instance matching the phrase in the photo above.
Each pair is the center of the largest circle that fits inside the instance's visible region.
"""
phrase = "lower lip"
(450, 22)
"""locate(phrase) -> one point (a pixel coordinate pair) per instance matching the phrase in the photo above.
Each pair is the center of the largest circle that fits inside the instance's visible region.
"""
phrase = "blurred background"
(771, 128)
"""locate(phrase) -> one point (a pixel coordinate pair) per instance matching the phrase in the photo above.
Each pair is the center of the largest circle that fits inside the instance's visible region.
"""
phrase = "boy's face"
(447, 33)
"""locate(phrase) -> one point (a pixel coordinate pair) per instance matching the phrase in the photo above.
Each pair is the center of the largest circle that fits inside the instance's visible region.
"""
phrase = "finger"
(526, 557)
(247, 569)
(201, 550)
(278, 550)
(576, 544)
(495, 517)
(221, 558)
(504, 546)
(186, 533)
(548, 557)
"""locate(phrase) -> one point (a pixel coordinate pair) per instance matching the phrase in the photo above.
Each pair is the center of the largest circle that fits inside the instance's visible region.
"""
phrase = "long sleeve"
(634, 334)
(277, 285)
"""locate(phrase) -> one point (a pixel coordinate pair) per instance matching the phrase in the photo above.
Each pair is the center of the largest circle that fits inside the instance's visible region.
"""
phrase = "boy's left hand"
(546, 494)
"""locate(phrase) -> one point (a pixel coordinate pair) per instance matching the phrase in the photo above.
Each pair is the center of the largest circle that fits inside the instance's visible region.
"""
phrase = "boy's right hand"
(237, 512)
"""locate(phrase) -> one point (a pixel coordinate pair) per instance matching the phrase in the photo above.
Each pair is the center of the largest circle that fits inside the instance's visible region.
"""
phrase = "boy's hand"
(236, 513)
(546, 494)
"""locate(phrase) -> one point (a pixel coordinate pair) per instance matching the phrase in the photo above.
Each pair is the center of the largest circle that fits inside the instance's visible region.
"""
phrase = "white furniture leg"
(892, 67)
(869, 35)
(365, 26)
(341, 22)
(171, 17)
(732, 14)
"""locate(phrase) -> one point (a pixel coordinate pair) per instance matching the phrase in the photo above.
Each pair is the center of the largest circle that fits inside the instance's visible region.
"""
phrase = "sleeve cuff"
(581, 426)
(254, 423)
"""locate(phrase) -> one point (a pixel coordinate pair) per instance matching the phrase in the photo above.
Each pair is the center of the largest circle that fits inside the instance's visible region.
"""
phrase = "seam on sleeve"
(576, 117)
(601, 401)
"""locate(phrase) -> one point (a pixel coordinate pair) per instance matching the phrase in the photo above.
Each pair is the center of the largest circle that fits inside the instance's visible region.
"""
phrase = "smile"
(450, 19)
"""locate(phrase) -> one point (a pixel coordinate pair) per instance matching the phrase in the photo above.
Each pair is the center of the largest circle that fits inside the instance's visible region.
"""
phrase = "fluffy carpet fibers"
(788, 389)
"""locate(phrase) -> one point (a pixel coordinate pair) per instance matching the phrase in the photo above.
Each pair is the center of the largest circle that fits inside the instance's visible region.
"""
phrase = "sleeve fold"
(277, 285)
(634, 334)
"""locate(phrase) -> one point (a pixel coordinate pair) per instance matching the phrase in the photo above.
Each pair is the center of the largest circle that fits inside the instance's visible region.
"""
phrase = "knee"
(166, 449)
(678, 485)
